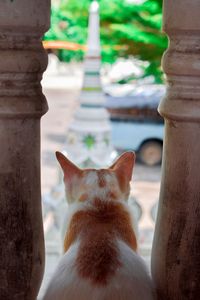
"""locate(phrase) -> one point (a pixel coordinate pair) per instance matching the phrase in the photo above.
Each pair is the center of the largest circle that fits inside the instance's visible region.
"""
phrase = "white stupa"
(89, 134)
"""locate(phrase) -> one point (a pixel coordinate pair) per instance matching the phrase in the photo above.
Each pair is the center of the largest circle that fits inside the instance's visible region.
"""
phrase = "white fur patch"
(91, 179)
(93, 189)
(72, 209)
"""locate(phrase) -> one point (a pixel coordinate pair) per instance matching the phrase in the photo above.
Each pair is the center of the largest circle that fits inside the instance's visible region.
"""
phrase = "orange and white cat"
(100, 260)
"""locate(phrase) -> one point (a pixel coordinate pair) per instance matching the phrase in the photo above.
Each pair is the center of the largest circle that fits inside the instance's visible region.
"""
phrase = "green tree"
(127, 29)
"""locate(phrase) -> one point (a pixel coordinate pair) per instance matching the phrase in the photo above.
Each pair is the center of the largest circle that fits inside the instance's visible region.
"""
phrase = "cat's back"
(101, 263)
(101, 225)
(130, 281)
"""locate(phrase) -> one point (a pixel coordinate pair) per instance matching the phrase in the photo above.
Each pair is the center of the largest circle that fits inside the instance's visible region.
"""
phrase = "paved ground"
(62, 102)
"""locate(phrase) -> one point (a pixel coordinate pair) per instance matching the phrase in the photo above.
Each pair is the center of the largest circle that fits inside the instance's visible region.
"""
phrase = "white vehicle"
(144, 138)
(136, 124)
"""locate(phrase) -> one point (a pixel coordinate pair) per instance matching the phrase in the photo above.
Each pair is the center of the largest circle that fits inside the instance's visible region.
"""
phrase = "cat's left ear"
(124, 165)
(69, 169)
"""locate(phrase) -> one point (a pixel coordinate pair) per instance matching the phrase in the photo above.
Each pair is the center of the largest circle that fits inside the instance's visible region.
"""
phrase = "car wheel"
(150, 153)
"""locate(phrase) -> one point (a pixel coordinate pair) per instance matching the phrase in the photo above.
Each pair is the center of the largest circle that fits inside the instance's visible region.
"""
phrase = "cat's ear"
(123, 166)
(69, 169)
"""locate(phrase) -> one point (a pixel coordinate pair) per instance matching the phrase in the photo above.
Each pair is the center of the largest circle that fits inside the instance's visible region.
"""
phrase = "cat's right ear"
(69, 169)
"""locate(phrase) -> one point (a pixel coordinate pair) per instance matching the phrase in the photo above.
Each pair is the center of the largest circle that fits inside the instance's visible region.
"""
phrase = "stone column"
(22, 62)
(176, 248)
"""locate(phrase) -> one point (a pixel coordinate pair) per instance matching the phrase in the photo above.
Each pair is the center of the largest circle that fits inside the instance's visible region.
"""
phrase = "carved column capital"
(22, 57)
(181, 61)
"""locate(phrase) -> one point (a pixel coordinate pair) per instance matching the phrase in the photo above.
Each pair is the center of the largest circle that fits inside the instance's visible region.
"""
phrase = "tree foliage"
(127, 29)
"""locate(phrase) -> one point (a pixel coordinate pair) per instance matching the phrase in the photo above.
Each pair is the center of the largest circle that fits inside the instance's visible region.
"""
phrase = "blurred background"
(103, 85)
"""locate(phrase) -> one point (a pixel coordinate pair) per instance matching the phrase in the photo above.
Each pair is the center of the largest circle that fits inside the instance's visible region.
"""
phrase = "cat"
(100, 260)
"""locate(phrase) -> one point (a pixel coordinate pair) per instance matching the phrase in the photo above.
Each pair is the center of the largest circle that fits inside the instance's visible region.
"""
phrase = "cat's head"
(112, 183)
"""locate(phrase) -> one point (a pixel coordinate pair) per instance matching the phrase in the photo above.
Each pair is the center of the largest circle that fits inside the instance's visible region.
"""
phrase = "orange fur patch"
(83, 197)
(123, 183)
(98, 229)
(98, 256)
(112, 195)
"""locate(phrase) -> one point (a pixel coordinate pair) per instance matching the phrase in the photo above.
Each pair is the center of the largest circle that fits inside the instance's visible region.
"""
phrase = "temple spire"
(89, 135)
(94, 49)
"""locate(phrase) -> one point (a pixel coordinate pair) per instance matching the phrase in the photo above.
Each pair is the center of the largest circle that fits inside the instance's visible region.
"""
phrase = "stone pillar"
(22, 62)
(176, 248)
